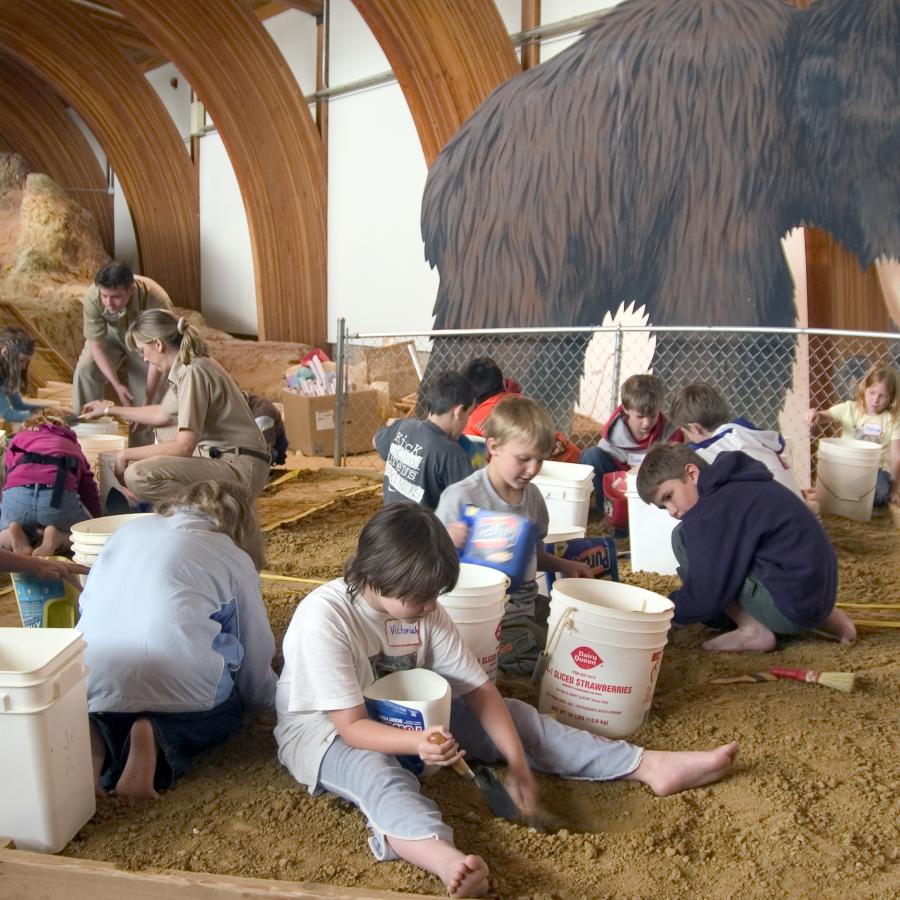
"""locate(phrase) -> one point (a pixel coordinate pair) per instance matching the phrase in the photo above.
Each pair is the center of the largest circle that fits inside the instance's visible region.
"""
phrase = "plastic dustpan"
(60, 613)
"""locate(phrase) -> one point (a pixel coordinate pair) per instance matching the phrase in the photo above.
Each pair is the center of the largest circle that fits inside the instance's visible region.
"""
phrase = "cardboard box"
(309, 422)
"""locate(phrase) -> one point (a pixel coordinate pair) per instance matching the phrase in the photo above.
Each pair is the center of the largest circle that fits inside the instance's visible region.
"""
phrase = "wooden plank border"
(27, 874)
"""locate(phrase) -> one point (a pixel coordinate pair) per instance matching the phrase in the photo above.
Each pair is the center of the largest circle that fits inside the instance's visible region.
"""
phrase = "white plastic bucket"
(557, 533)
(566, 489)
(414, 699)
(650, 530)
(94, 446)
(476, 605)
(847, 471)
(96, 426)
(95, 532)
(605, 644)
(46, 778)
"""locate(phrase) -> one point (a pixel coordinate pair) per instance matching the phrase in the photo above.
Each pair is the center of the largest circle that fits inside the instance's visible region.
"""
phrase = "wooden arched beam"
(447, 58)
(261, 115)
(132, 125)
(34, 122)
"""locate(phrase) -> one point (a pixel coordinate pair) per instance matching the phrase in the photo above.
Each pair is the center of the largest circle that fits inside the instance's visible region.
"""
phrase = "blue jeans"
(179, 736)
(602, 463)
(882, 488)
(29, 505)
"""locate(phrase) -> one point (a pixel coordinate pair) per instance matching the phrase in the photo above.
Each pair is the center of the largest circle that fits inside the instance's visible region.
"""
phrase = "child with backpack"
(49, 487)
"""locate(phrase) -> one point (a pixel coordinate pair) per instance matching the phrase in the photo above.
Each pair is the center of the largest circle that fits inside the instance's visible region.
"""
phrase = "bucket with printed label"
(605, 644)
(476, 605)
(847, 471)
(45, 602)
(411, 699)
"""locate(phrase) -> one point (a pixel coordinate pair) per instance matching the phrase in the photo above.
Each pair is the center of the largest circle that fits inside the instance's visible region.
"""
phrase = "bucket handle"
(540, 666)
(846, 499)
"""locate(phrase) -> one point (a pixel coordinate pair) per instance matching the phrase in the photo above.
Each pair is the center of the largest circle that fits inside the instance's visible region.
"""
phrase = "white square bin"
(566, 489)
(46, 778)
(650, 531)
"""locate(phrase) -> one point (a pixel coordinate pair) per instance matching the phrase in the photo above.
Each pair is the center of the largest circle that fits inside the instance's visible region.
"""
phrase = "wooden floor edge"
(27, 874)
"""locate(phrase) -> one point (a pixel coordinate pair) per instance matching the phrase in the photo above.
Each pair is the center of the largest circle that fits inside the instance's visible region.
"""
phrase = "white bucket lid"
(478, 578)
(564, 473)
(557, 533)
(412, 685)
(96, 531)
(104, 425)
(613, 599)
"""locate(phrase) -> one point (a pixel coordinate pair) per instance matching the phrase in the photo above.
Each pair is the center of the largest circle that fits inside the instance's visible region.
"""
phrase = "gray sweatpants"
(388, 795)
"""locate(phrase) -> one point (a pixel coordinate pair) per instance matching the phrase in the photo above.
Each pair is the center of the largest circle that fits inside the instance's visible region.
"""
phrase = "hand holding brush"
(840, 681)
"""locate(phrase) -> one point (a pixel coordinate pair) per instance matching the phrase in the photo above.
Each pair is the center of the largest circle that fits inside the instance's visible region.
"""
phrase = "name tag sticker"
(635, 459)
(872, 428)
(402, 634)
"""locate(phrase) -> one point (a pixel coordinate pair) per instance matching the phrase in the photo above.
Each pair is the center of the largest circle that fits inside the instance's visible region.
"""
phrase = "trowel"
(497, 796)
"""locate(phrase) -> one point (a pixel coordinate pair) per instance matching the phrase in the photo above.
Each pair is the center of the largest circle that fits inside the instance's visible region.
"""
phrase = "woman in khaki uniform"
(216, 439)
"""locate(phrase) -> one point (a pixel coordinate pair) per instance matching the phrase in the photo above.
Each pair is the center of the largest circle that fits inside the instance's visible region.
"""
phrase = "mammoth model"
(659, 160)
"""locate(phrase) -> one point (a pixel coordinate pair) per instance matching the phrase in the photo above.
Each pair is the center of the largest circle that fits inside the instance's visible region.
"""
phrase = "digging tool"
(841, 681)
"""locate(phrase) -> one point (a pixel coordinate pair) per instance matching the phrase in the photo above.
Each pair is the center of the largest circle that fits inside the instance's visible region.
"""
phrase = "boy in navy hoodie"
(747, 548)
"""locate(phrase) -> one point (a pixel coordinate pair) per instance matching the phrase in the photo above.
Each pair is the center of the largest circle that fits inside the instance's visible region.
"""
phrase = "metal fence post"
(617, 368)
(339, 395)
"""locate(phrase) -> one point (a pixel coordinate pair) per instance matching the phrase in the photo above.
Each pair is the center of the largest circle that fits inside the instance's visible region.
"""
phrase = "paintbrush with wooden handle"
(841, 681)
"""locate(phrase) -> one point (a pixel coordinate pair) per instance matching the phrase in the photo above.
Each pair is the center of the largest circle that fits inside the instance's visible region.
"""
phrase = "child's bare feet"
(464, 875)
(140, 767)
(98, 757)
(52, 540)
(18, 540)
(470, 878)
(666, 772)
(757, 638)
(841, 625)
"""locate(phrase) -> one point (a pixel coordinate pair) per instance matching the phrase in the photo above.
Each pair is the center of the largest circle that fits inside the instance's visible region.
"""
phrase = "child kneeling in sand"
(747, 547)
(383, 617)
(178, 640)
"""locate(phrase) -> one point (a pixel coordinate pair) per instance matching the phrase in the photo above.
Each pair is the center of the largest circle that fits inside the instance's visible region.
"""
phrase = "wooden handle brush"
(840, 681)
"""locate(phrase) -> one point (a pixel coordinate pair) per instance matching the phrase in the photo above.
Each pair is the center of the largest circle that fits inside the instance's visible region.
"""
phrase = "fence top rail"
(614, 329)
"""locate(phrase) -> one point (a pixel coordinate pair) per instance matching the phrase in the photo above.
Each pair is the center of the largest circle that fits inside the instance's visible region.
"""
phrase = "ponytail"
(174, 332)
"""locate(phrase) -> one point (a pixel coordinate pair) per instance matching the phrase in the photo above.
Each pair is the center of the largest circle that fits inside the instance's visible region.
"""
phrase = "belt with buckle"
(219, 452)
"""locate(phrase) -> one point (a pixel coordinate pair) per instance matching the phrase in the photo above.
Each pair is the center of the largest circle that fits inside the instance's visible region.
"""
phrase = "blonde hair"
(521, 419)
(15, 342)
(231, 509)
(44, 417)
(881, 372)
(161, 325)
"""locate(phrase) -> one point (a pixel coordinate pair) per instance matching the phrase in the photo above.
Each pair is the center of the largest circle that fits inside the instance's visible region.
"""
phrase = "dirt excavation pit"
(811, 807)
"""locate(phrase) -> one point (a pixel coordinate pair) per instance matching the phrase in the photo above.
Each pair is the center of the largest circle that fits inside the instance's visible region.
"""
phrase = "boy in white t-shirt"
(383, 617)
(874, 415)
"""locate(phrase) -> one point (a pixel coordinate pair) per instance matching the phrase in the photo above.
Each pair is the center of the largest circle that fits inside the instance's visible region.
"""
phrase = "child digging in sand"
(178, 641)
(383, 617)
(49, 487)
(747, 548)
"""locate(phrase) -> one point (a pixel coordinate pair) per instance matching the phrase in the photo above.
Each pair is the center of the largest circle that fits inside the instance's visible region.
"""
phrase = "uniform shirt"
(477, 490)
(881, 429)
(211, 405)
(174, 620)
(335, 647)
(99, 321)
(421, 461)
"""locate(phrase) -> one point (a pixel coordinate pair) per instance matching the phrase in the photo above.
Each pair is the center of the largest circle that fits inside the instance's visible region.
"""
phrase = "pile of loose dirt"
(811, 803)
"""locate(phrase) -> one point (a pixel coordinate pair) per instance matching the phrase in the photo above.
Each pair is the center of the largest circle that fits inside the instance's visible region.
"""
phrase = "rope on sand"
(877, 623)
(290, 475)
(369, 489)
(274, 576)
(869, 605)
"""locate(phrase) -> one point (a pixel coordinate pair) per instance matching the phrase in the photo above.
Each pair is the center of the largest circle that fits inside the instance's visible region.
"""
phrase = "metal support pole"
(339, 396)
(617, 369)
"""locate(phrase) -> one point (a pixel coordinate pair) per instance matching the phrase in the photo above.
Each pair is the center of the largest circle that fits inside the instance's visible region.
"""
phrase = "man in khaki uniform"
(110, 307)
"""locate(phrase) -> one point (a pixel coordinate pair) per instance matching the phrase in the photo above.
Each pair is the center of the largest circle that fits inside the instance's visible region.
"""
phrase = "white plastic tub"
(650, 530)
(566, 489)
(46, 778)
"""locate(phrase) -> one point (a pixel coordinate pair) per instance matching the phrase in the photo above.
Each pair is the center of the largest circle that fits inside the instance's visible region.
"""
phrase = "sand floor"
(810, 809)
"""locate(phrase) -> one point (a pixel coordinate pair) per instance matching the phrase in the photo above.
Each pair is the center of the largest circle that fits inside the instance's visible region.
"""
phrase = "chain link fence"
(769, 376)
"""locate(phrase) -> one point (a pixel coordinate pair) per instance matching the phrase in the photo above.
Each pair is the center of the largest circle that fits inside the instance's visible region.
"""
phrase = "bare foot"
(52, 540)
(470, 878)
(666, 772)
(757, 638)
(464, 876)
(140, 767)
(98, 757)
(841, 625)
(18, 540)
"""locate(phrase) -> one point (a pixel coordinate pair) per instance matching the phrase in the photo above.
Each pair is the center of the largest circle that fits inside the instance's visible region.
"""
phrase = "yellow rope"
(369, 489)
(876, 623)
(274, 576)
(869, 605)
(288, 476)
